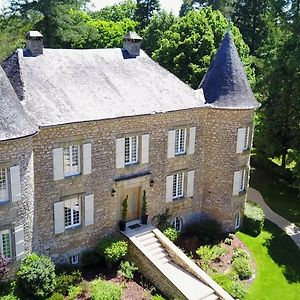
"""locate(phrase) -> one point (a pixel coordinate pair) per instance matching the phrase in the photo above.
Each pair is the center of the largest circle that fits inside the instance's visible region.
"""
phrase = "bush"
(206, 229)
(209, 253)
(157, 297)
(3, 265)
(242, 266)
(239, 252)
(112, 249)
(235, 288)
(90, 258)
(127, 270)
(253, 220)
(171, 233)
(57, 296)
(64, 281)
(9, 297)
(36, 277)
(74, 292)
(103, 290)
(162, 220)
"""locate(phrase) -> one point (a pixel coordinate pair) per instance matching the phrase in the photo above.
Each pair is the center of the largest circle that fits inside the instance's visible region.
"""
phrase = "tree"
(145, 10)
(189, 46)
(154, 32)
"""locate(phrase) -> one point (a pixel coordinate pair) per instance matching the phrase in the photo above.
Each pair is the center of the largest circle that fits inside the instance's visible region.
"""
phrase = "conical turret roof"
(225, 84)
(14, 122)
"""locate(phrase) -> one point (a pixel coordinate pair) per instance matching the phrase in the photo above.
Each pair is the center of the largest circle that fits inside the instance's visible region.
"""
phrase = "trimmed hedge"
(253, 220)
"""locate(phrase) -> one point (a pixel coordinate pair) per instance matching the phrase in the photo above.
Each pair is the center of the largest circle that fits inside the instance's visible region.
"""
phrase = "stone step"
(211, 297)
(157, 249)
(149, 241)
(161, 255)
(164, 260)
(153, 246)
(145, 236)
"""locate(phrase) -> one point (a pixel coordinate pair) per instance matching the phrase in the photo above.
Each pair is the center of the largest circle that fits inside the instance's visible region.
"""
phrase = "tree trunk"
(283, 160)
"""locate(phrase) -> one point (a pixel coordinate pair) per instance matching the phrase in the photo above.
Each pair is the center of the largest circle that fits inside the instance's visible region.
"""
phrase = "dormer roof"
(225, 84)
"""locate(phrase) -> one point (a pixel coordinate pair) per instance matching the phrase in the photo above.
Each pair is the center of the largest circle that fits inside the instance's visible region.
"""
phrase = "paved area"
(291, 229)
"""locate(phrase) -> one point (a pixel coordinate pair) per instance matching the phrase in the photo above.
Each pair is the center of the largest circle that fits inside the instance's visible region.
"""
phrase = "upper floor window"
(239, 182)
(71, 160)
(72, 212)
(131, 150)
(5, 243)
(3, 185)
(178, 183)
(243, 139)
(180, 141)
(237, 220)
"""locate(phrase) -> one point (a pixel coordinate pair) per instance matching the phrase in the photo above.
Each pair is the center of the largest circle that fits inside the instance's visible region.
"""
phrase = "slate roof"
(225, 84)
(66, 85)
(14, 123)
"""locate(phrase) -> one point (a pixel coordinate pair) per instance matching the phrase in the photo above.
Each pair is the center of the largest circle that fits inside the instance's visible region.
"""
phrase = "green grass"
(280, 196)
(278, 265)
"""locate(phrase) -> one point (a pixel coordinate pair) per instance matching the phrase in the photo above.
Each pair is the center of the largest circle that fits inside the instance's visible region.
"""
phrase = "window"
(71, 160)
(74, 259)
(177, 224)
(3, 185)
(237, 220)
(180, 141)
(246, 139)
(72, 212)
(178, 180)
(5, 243)
(242, 180)
(131, 150)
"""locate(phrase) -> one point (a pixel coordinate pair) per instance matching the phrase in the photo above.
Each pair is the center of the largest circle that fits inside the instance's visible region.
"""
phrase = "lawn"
(278, 265)
(280, 196)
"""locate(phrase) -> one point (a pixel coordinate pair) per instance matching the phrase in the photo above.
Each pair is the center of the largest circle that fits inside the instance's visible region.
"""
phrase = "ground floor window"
(178, 184)
(237, 220)
(5, 243)
(74, 259)
(177, 224)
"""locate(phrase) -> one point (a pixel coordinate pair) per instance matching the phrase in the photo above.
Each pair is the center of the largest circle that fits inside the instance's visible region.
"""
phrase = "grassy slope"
(278, 265)
(282, 198)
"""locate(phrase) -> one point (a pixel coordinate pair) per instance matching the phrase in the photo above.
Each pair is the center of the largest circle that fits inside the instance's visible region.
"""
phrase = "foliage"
(145, 9)
(64, 281)
(57, 296)
(74, 292)
(157, 297)
(235, 288)
(253, 220)
(144, 204)
(3, 265)
(103, 290)
(127, 270)
(113, 249)
(36, 277)
(9, 297)
(204, 229)
(242, 266)
(190, 44)
(171, 233)
(239, 252)
(162, 220)
(124, 209)
(210, 253)
(90, 257)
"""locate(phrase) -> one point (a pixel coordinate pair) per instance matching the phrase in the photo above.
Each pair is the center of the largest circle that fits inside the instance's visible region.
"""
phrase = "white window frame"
(73, 169)
(237, 220)
(246, 139)
(5, 186)
(74, 259)
(242, 181)
(180, 140)
(5, 232)
(178, 186)
(72, 204)
(177, 224)
(133, 148)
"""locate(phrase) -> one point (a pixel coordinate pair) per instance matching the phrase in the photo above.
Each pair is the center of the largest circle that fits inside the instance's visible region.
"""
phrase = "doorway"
(133, 203)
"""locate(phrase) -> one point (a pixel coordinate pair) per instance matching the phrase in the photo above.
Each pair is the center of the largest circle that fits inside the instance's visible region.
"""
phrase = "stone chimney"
(132, 43)
(34, 43)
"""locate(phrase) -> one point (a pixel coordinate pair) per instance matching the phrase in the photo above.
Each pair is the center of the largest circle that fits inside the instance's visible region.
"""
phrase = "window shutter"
(87, 159)
(89, 209)
(19, 242)
(15, 183)
(171, 143)
(59, 217)
(190, 184)
(145, 148)
(192, 141)
(236, 182)
(58, 164)
(120, 153)
(240, 140)
(169, 188)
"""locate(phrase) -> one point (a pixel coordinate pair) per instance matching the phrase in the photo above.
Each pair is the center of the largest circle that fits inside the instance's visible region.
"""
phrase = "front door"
(133, 203)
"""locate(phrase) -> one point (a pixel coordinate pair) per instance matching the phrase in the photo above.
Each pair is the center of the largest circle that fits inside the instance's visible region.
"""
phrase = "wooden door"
(133, 203)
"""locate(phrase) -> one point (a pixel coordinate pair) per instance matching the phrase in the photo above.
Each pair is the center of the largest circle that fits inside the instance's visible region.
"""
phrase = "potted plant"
(144, 216)
(122, 223)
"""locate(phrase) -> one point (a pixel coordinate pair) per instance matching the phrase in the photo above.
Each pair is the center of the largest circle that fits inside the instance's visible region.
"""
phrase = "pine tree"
(145, 10)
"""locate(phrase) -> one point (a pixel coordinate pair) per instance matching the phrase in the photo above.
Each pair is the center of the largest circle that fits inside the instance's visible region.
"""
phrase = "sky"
(169, 5)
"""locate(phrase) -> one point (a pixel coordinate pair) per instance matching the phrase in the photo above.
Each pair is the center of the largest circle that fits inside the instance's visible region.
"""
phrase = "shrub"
(112, 249)
(209, 253)
(228, 241)
(235, 288)
(103, 290)
(171, 233)
(90, 258)
(64, 281)
(36, 277)
(253, 220)
(127, 270)
(3, 265)
(157, 297)
(239, 252)
(57, 296)
(9, 297)
(205, 229)
(242, 266)
(162, 220)
(74, 292)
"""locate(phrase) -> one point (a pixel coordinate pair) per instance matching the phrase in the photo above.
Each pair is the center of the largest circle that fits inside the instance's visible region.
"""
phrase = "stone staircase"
(151, 244)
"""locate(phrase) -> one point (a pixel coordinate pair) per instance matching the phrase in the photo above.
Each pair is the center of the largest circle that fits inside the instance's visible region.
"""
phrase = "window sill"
(178, 200)
(73, 228)
(180, 154)
(246, 152)
(72, 176)
(129, 165)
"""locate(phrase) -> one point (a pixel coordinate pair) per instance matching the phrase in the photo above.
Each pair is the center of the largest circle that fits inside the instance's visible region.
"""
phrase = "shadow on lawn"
(284, 252)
